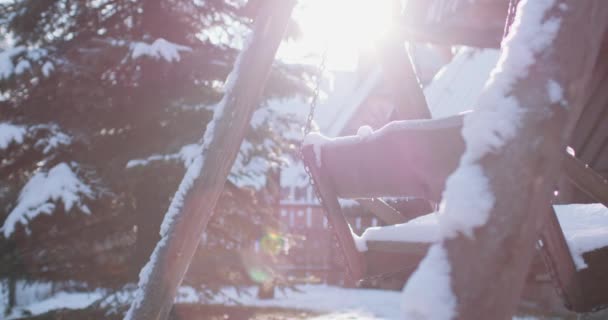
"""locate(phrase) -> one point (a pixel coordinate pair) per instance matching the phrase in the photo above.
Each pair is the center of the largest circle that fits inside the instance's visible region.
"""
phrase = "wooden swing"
(490, 295)
(413, 158)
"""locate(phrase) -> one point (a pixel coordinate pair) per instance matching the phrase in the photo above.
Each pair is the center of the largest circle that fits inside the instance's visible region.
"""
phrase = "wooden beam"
(173, 253)
(554, 250)
(401, 81)
(415, 249)
(488, 270)
(586, 179)
(477, 24)
(355, 260)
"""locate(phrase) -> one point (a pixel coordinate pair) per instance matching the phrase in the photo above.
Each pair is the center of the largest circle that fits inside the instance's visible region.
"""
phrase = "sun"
(341, 27)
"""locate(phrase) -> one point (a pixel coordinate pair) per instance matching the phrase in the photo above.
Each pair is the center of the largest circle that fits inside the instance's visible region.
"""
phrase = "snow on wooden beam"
(193, 203)
(496, 202)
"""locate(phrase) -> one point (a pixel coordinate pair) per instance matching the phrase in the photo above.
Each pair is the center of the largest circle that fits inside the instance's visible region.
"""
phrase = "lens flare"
(272, 243)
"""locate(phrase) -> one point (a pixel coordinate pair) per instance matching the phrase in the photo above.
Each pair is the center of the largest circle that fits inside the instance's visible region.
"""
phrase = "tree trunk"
(488, 270)
(174, 252)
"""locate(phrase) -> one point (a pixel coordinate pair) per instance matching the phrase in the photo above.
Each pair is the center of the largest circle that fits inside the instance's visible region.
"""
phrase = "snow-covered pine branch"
(44, 137)
(17, 60)
(159, 49)
(44, 191)
(11, 133)
(257, 155)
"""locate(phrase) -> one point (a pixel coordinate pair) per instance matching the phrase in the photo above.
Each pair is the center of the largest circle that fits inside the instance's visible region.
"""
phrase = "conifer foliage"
(102, 105)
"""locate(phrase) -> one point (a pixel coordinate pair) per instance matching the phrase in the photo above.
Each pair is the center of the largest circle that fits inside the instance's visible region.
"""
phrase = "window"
(292, 221)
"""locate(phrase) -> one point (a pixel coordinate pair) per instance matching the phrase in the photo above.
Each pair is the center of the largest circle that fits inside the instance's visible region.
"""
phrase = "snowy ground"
(328, 301)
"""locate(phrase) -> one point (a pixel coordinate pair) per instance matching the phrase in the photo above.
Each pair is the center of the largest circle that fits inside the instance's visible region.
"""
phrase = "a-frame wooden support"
(523, 173)
(174, 252)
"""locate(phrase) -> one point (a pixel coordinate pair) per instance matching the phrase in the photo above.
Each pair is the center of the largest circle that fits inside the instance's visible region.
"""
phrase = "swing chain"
(306, 130)
(315, 95)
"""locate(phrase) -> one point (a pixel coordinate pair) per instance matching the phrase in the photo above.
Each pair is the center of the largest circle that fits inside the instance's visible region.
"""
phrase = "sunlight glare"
(342, 27)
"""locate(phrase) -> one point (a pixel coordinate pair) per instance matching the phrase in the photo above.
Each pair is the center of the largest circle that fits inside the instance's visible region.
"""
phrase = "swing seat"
(406, 159)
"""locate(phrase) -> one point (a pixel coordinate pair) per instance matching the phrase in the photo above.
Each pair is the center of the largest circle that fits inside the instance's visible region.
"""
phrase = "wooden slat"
(410, 158)
(586, 179)
(415, 249)
(382, 211)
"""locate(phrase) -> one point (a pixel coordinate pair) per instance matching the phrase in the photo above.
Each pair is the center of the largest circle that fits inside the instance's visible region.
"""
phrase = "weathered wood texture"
(590, 138)
(175, 254)
(407, 158)
(488, 271)
(399, 78)
(553, 249)
(382, 211)
(474, 23)
(329, 199)
(586, 179)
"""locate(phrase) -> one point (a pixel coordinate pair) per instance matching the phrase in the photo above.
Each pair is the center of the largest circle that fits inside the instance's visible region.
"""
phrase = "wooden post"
(175, 251)
(488, 270)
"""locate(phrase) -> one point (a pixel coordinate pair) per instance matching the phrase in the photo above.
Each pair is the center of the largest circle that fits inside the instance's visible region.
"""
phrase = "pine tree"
(89, 87)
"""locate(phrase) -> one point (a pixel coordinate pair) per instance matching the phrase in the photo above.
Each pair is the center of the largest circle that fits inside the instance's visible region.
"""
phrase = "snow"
(332, 302)
(187, 154)
(585, 228)
(10, 133)
(47, 68)
(53, 139)
(158, 49)
(468, 199)
(428, 293)
(61, 300)
(364, 131)
(556, 93)
(316, 139)
(496, 121)
(570, 151)
(192, 173)
(43, 192)
(246, 172)
(422, 229)
(6, 63)
(448, 94)
(466, 202)
(360, 303)
(293, 175)
(22, 66)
